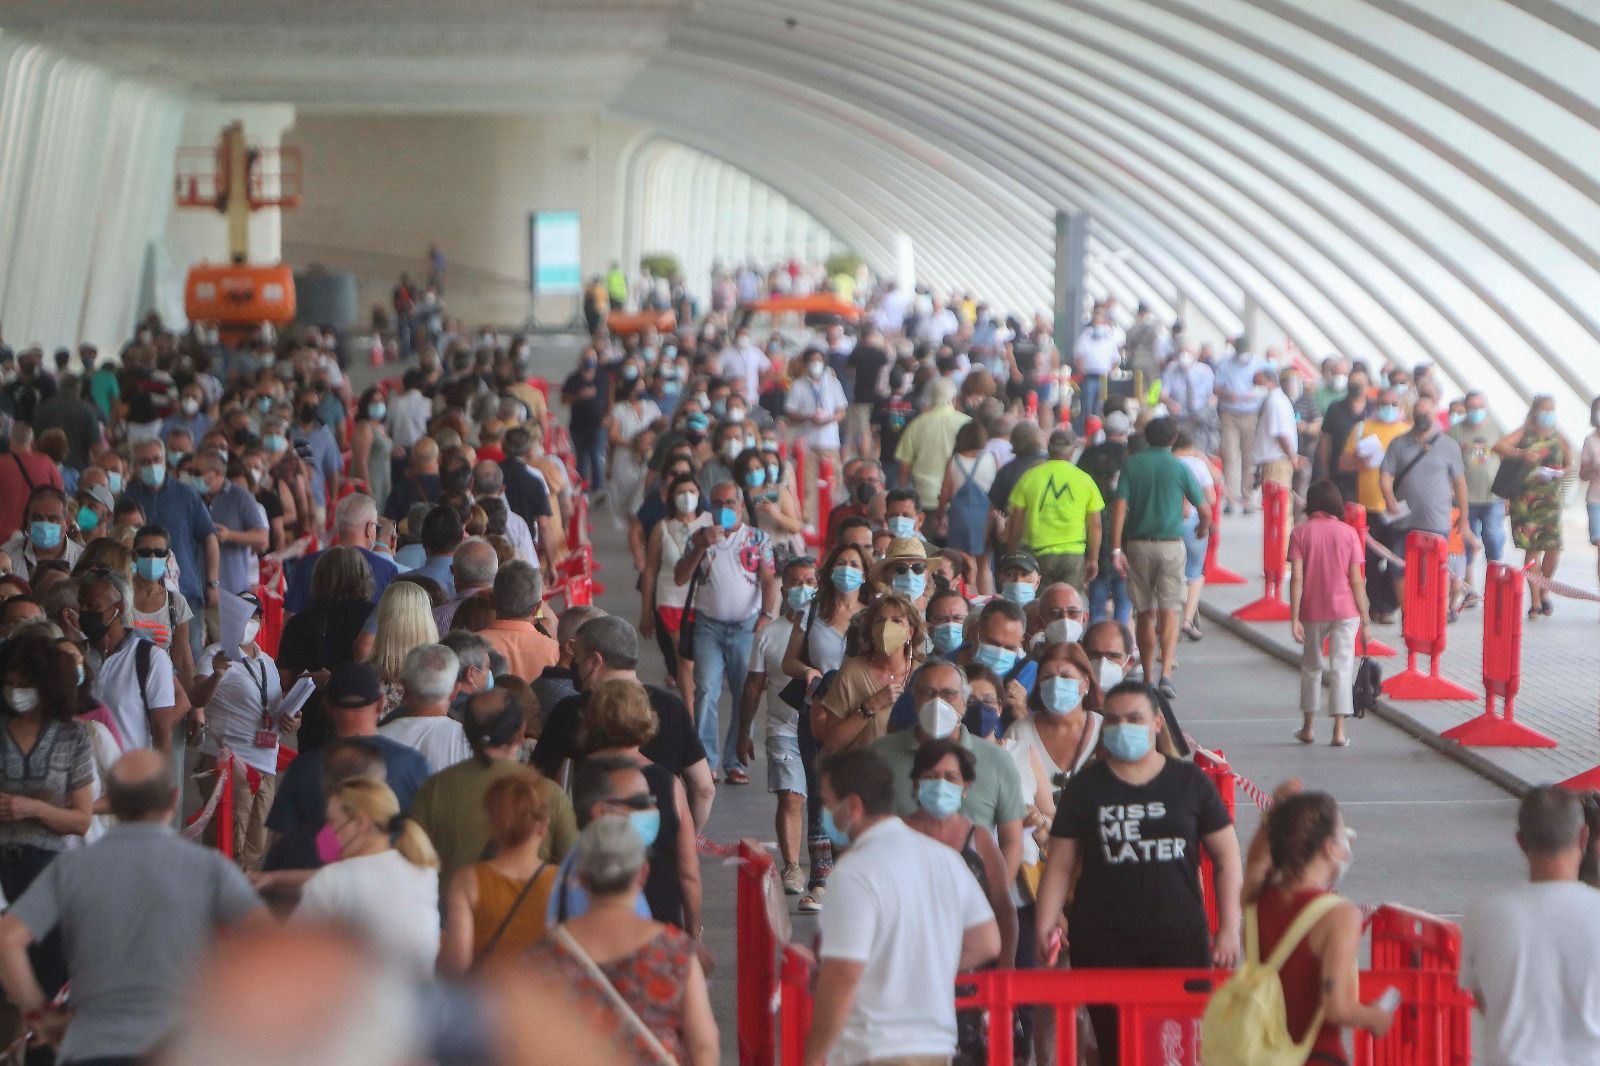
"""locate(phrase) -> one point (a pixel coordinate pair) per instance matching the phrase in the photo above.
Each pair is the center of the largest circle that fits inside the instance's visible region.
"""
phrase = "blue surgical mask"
(377, 411)
(196, 482)
(726, 518)
(273, 442)
(846, 578)
(939, 798)
(263, 404)
(88, 518)
(696, 422)
(154, 476)
(114, 483)
(901, 526)
(1457, 418)
(1060, 695)
(1129, 743)
(82, 677)
(1020, 593)
(756, 478)
(150, 569)
(996, 658)
(774, 473)
(947, 637)
(838, 836)
(982, 719)
(909, 584)
(1546, 419)
(46, 535)
(1388, 413)
(801, 595)
(488, 686)
(1477, 415)
(647, 824)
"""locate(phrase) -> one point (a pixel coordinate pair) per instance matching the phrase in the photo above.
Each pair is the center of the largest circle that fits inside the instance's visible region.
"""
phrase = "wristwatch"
(213, 584)
(769, 615)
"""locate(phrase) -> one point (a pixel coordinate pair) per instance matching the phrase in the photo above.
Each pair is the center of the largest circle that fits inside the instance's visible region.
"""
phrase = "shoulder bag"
(1513, 473)
(686, 625)
(626, 1013)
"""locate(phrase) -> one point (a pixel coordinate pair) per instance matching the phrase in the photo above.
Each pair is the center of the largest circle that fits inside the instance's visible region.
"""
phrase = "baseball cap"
(99, 494)
(1116, 424)
(352, 685)
(1018, 561)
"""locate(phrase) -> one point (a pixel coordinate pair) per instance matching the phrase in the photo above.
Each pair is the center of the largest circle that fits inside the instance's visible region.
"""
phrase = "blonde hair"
(405, 621)
(376, 801)
(619, 715)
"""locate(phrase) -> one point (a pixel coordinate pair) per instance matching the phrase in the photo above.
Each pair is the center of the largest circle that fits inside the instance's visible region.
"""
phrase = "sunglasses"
(641, 802)
(150, 553)
(910, 568)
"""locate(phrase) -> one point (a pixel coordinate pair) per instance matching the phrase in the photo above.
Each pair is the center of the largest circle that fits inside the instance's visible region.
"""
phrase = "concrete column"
(1072, 261)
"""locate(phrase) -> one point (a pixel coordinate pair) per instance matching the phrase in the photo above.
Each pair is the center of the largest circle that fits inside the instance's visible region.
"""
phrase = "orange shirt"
(527, 650)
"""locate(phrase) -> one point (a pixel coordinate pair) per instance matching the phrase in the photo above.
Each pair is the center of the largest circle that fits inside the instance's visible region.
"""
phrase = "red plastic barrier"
(794, 1006)
(1216, 573)
(1274, 554)
(271, 597)
(1221, 775)
(1427, 592)
(1502, 668)
(757, 973)
(1355, 516)
(223, 824)
(815, 530)
(1033, 406)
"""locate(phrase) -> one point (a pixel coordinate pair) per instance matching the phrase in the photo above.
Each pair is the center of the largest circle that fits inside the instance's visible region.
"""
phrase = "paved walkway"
(1560, 689)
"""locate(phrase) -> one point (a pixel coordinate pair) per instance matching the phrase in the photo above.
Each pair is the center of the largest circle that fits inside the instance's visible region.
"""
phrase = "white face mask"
(1108, 673)
(22, 700)
(251, 628)
(1063, 631)
(937, 718)
(687, 502)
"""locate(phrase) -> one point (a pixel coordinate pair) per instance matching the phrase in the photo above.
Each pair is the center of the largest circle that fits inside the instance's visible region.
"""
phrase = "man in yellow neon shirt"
(1363, 455)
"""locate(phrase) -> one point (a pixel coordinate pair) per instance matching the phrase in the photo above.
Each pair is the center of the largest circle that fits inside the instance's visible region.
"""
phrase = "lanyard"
(261, 684)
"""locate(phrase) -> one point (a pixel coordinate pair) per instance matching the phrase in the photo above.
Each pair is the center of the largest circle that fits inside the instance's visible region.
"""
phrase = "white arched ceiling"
(1384, 178)
(705, 212)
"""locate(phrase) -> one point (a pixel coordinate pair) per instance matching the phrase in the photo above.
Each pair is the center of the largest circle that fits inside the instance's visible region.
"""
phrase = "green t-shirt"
(104, 389)
(1155, 483)
(1477, 452)
(449, 807)
(1056, 500)
(996, 792)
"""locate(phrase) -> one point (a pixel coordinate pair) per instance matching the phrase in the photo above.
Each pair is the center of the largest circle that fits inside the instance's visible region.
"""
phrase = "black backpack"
(1368, 686)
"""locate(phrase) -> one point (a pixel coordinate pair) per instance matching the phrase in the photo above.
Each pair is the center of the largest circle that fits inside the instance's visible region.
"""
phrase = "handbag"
(686, 627)
(794, 693)
(1367, 686)
(627, 1014)
(1512, 475)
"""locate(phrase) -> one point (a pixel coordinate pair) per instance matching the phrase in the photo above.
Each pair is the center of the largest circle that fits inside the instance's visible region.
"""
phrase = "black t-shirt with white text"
(1140, 845)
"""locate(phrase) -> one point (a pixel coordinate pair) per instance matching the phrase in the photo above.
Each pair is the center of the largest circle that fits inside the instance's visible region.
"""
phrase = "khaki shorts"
(1155, 574)
(857, 421)
(1066, 567)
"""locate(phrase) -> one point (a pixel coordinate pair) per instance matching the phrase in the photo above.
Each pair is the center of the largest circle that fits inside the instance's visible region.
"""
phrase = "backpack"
(1245, 1023)
(1368, 686)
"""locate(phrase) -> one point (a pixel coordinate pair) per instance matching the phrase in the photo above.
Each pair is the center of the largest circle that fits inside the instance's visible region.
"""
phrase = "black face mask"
(94, 625)
(864, 494)
(308, 413)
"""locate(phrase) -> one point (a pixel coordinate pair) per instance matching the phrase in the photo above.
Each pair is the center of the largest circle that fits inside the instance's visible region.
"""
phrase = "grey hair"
(475, 563)
(518, 588)
(429, 672)
(610, 855)
(355, 511)
(470, 648)
(487, 479)
(574, 619)
(942, 664)
(157, 441)
(615, 640)
(118, 582)
(941, 391)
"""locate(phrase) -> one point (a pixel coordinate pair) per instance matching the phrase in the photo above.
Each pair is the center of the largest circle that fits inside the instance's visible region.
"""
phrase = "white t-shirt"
(116, 684)
(248, 691)
(747, 363)
(1533, 955)
(629, 422)
(1098, 349)
(674, 542)
(807, 397)
(900, 902)
(730, 575)
(395, 904)
(1276, 420)
(441, 740)
(766, 656)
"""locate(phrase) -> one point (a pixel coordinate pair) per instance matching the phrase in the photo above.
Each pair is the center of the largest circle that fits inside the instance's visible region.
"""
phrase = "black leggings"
(1191, 954)
(819, 847)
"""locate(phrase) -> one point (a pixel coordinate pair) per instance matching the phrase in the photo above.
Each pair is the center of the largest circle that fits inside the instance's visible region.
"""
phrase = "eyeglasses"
(643, 801)
(910, 568)
(150, 553)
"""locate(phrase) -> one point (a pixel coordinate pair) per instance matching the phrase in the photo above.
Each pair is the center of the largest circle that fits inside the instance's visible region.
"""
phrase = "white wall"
(380, 188)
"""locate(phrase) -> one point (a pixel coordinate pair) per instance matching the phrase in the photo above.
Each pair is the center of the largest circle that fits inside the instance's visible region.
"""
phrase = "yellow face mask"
(892, 636)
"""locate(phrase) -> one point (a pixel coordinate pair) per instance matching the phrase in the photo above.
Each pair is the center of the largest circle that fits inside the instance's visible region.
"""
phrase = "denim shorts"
(1594, 523)
(1194, 559)
(785, 771)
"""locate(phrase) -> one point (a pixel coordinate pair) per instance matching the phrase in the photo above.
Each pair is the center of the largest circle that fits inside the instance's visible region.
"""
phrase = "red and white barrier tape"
(197, 825)
(1259, 796)
(706, 846)
(1560, 588)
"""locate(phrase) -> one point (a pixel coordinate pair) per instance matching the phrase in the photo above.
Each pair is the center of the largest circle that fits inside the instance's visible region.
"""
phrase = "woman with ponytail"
(386, 882)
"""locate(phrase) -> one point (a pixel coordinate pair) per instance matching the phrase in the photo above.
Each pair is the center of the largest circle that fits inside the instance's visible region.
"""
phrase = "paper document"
(1549, 473)
(296, 697)
(1397, 513)
(232, 614)
(1370, 451)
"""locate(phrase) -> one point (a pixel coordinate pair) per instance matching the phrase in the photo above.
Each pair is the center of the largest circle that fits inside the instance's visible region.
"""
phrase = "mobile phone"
(1390, 1000)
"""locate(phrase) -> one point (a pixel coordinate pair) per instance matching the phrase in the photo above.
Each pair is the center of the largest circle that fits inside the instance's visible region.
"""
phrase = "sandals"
(1305, 737)
(1191, 631)
(1342, 742)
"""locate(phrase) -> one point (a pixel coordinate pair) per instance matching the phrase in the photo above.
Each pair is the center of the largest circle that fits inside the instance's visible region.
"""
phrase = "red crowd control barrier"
(1274, 554)
(815, 529)
(1221, 775)
(1427, 592)
(757, 973)
(1502, 668)
(1355, 516)
(1216, 573)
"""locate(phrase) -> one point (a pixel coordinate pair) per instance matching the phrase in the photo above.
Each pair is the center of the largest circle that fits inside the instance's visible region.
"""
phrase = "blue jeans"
(1110, 585)
(721, 649)
(1094, 387)
(1488, 523)
(590, 458)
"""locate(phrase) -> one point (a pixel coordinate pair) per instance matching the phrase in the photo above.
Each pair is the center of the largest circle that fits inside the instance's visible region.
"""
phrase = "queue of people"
(967, 671)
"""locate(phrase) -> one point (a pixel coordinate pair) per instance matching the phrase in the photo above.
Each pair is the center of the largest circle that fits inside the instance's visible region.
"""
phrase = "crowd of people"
(966, 671)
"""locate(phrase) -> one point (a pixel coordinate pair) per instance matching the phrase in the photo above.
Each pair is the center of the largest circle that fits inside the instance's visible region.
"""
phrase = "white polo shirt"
(901, 903)
(246, 700)
(116, 684)
(441, 740)
(730, 575)
(1276, 420)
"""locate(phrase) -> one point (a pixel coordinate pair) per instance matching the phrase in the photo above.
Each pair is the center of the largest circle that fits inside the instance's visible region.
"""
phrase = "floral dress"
(651, 980)
(1536, 513)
